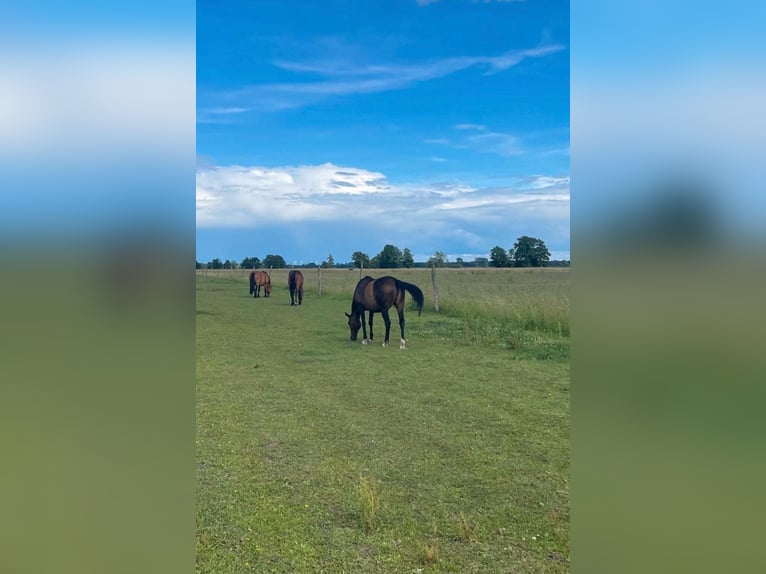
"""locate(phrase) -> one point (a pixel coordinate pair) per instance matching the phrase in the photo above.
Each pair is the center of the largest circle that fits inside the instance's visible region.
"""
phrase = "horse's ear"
(347, 315)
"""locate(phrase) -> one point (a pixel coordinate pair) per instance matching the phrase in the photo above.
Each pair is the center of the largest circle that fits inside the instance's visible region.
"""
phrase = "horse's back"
(262, 277)
(294, 279)
(363, 293)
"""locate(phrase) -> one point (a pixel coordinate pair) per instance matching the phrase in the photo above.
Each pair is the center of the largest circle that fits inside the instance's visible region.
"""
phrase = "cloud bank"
(256, 196)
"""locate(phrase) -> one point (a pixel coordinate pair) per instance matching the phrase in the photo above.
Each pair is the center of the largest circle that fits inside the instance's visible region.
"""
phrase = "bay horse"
(260, 279)
(379, 295)
(295, 284)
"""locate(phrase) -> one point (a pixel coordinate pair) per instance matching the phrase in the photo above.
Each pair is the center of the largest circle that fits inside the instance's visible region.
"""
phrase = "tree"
(529, 252)
(407, 259)
(273, 261)
(390, 257)
(459, 261)
(438, 259)
(250, 263)
(329, 262)
(360, 259)
(498, 257)
(215, 264)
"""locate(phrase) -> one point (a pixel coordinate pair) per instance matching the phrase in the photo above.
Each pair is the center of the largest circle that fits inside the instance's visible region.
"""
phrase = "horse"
(379, 295)
(260, 279)
(295, 284)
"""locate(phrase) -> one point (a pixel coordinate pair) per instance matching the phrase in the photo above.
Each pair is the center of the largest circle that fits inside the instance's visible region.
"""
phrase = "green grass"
(464, 436)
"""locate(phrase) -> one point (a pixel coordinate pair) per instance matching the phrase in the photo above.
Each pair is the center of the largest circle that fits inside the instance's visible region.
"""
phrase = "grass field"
(316, 454)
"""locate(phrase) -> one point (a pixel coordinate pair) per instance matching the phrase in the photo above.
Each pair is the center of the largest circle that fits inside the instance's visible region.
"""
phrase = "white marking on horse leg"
(365, 341)
(402, 343)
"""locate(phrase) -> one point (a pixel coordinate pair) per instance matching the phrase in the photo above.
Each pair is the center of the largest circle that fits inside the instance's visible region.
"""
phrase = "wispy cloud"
(477, 127)
(482, 141)
(339, 77)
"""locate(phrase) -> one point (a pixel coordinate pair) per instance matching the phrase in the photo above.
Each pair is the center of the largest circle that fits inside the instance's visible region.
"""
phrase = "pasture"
(318, 454)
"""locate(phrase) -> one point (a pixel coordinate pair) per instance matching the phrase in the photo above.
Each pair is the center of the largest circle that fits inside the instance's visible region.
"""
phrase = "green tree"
(459, 261)
(407, 259)
(390, 257)
(215, 264)
(273, 261)
(529, 252)
(250, 263)
(360, 259)
(499, 257)
(329, 262)
(438, 259)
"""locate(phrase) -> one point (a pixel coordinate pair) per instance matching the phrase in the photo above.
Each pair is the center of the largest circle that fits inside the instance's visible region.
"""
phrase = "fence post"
(361, 268)
(436, 287)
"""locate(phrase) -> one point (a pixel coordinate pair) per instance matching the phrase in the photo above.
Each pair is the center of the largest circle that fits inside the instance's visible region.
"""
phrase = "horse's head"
(267, 289)
(354, 324)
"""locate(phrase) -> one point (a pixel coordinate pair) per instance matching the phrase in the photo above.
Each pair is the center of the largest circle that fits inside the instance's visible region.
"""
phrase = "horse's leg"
(292, 296)
(387, 321)
(364, 327)
(400, 310)
(371, 314)
(300, 296)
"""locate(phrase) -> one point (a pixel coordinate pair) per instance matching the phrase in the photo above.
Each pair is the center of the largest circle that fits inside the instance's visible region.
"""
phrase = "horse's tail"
(415, 291)
(252, 283)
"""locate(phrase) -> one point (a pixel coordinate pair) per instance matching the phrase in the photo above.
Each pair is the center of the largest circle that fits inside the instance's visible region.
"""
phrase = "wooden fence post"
(436, 287)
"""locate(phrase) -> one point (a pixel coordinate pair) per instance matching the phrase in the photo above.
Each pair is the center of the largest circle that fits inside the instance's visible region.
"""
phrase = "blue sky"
(337, 126)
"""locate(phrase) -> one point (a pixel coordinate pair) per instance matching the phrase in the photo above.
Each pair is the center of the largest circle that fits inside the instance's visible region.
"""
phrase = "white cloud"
(546, 181)
(437, 141)
(340, 78)
(242, 196)
(482, 141)
(497, 143)
(477, 127)
(236, 196)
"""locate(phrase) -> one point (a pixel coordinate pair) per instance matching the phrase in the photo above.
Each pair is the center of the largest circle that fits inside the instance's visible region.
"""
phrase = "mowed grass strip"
(466, 439)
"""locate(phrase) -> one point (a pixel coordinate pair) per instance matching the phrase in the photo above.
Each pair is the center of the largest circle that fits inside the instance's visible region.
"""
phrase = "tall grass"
(535, 299)
(490, 302)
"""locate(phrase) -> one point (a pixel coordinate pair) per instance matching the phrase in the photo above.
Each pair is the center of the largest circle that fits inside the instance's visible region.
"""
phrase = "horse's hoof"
(402, 343)
(364, 341)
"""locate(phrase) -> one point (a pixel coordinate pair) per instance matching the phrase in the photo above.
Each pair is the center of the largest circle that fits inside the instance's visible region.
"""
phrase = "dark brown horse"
(295, 284)
(260, 279)
(375, 295)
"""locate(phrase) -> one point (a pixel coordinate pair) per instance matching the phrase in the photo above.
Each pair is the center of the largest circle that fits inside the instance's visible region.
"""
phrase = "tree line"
(526, 252)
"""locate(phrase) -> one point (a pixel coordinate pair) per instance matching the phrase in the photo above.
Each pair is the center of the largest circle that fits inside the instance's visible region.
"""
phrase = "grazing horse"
(260, 279)
(375, 295)
(295, 284)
